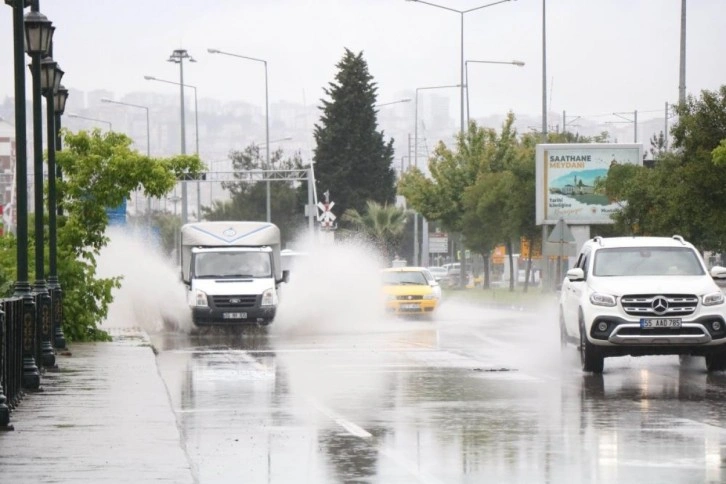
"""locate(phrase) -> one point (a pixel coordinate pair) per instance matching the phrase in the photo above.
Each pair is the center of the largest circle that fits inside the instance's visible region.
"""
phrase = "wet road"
(472, 396)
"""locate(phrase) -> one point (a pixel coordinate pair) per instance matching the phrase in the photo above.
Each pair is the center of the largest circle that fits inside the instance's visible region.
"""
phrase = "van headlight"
(200, 299)
(713, 299)
(599, 299)
(269, 298)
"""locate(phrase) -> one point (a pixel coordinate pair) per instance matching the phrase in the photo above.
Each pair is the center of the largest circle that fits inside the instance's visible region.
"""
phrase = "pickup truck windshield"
(232, 264)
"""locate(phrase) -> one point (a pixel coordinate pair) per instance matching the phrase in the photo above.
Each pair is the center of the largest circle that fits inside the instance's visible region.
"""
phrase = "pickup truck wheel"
(716, 361)
(591, 356)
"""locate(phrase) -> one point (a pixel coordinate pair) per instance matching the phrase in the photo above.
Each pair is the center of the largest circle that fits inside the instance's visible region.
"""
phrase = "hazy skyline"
(602, 57)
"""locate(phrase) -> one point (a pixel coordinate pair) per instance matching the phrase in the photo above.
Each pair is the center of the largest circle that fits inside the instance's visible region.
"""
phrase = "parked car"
(410, 291)
(439, 273)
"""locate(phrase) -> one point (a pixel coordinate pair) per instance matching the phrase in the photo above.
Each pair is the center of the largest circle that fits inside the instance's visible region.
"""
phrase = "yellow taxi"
(410, 291)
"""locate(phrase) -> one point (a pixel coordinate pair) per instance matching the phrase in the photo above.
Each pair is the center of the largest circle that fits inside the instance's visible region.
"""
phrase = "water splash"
(152, 295)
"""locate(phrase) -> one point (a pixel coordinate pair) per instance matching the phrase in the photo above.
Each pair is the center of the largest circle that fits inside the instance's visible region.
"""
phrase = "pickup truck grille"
(234, 301)
(659, 305)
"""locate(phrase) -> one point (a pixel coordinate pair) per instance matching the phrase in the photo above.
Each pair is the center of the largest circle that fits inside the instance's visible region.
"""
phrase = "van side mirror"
(575, 274)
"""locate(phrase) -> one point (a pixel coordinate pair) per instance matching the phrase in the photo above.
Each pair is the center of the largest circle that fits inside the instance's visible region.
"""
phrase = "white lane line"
(358, 431)
(346, 424)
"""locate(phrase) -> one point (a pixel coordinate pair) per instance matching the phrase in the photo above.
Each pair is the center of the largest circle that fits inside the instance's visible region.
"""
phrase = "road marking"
(360, 432)
(346, 424)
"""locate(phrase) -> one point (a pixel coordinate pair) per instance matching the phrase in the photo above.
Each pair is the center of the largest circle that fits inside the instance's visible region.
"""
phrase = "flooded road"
(475, 395)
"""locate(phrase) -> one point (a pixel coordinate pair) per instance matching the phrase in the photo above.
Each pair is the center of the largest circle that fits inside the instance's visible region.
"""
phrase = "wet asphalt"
(472, 396)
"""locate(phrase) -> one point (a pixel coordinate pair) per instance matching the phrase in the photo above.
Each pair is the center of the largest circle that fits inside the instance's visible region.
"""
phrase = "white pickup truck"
(232, 271)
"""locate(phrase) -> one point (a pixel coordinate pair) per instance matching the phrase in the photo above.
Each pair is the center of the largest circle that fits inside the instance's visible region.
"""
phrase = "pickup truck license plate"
(660, 323)
(234, 315)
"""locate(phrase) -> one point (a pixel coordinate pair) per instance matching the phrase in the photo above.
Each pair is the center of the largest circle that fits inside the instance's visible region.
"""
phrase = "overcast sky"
(602, 55)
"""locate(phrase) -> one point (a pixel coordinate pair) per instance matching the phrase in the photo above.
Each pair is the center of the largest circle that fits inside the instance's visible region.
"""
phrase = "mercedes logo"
(659, 305)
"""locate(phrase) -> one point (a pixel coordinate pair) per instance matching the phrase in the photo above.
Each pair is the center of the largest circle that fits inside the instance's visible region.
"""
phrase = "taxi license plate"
(409, 307)
(234, 315)
(660, 323)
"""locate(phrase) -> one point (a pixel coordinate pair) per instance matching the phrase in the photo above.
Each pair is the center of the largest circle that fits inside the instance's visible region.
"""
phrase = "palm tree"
(383, 225)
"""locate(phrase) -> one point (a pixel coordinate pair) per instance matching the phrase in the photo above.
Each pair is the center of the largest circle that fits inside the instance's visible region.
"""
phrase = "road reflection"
(455, 400)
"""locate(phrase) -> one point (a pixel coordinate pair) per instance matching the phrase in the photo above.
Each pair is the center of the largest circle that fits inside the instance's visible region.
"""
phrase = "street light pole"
(267, 120)
(78, 116)
(196, 126)
(59, 105)
(415, 164)
(461, 72)
(148, 147)
(461, 67)
(466, 68)
(178, 57)
(148, 138)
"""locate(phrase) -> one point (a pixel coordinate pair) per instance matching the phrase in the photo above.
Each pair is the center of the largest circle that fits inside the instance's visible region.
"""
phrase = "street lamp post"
(267, 121)
(196, 127)
(466, 69)
(415, 164)
(461, 71)
(31, 374)
(52, 75)
(43, 77)
(461, 14)
(404, 100)
(78, 116)
(148, 145)
(148, 138)
(54, 208)
(178, 57)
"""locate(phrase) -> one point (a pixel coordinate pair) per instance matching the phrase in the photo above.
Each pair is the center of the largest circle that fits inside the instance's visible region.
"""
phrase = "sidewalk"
(104, 417)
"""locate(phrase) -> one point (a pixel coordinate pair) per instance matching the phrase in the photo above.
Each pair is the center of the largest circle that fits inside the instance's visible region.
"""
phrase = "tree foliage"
(352, 160)
(381, 225)
(99, 171)
(683, 192)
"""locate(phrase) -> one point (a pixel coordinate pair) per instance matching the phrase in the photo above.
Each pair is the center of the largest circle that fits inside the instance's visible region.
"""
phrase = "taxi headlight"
(200, 299)
(390, 297)
(713, 299)
(430, 296)
(599, 299)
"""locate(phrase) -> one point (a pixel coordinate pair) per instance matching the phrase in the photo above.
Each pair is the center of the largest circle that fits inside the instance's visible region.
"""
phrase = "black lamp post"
(39, 33)
(31, 375)
(56, 102)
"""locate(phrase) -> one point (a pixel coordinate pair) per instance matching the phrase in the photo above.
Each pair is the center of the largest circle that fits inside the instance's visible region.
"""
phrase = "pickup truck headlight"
(713, 299)
(599, 299)
(269, 298)
(200, 299)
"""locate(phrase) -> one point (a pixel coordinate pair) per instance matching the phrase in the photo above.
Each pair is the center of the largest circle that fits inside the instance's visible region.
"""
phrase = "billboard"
(568, 176)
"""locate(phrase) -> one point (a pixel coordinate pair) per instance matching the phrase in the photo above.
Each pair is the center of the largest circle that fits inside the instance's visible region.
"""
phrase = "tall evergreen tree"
(352, 160)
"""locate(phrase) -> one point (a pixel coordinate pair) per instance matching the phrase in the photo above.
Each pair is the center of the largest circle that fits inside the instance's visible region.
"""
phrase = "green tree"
(99, 171)
(382, 225)
(352, 160)
(248, 198)
(683, 193)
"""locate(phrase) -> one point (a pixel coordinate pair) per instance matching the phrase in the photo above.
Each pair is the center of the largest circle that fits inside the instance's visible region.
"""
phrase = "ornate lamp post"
(43, 72)
(60, 95)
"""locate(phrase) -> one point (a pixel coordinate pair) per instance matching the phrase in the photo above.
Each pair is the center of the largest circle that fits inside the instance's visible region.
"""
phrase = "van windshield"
(232, 264)
(647, 261)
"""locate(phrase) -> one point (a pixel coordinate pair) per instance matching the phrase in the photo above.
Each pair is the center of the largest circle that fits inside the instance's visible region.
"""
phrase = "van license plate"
(234, 315)
(660, 323)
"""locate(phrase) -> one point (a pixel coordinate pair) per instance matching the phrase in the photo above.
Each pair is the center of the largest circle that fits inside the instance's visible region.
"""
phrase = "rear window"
(647, 261)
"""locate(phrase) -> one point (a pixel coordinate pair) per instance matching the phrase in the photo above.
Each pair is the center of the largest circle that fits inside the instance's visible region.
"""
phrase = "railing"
(27, 345)
(11, 357)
